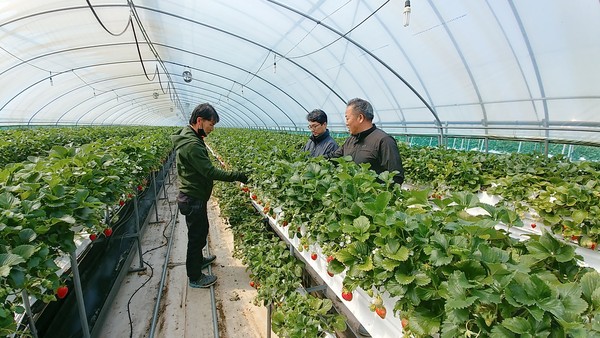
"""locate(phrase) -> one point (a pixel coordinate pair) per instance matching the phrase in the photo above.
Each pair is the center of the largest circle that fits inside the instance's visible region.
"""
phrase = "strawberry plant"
(275, 272)
(47, 201)
(451, 273)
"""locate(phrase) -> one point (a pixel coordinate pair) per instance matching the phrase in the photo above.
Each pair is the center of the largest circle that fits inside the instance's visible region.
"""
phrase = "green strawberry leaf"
(517, 325)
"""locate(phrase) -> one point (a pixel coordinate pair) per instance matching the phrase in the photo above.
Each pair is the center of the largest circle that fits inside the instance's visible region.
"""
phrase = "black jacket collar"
(365, 133)
(321, 137)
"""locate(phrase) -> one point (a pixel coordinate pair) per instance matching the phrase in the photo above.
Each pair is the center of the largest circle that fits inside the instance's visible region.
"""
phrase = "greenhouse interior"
(384, 168)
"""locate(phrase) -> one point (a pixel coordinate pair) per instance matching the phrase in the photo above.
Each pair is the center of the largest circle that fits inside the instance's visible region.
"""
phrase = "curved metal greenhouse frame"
(485, 69)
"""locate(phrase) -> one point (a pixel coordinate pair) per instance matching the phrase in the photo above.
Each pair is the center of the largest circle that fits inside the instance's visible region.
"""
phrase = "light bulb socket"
(187, 76)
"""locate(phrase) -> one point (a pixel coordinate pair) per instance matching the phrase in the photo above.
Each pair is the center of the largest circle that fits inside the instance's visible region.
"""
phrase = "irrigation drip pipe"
(163, 275)
(213, 300)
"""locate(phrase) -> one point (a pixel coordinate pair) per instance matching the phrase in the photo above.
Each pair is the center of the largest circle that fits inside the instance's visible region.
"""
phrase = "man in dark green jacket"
(196, 174)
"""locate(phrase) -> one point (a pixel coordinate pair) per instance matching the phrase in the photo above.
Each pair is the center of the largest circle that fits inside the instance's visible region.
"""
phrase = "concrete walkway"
(185, 312)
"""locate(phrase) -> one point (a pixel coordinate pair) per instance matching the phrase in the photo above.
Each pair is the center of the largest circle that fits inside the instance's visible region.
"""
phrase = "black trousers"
(196, 219)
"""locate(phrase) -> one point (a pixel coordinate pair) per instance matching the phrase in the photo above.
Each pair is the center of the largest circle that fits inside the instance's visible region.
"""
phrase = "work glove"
(241, 177)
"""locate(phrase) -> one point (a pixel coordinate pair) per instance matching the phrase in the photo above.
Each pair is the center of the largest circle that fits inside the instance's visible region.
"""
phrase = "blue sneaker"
(203, 282)
(206, 261)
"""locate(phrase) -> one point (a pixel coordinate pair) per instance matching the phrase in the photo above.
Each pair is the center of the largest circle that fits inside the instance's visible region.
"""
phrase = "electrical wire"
(18, 58)
(155, 52)
(133, 15)
(342, 36)
(137, 46)
(102, 24)
(136, 291)
(259, 69)
(315, 26)
(171, 220)
(291, 49)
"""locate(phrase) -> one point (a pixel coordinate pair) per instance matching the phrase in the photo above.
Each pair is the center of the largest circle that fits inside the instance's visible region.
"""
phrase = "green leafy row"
(18, 144)
(451, 273)
(563, 195)
(559, 193)
(46, 201)
(275, 272)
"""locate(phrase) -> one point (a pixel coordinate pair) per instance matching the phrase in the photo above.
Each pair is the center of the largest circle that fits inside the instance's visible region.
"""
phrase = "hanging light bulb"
(187, 75)
(274, 63)
(406, 13)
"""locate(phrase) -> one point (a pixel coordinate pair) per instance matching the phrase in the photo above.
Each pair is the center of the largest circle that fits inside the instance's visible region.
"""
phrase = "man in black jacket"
(367, 143)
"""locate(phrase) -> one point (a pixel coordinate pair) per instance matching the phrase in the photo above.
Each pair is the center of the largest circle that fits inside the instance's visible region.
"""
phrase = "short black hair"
(317, 115)
(363, 107)
(206, 112)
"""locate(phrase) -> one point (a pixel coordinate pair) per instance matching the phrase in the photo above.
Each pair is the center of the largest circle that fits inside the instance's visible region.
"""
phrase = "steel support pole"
(32, 328)
(79, 294)
(155, 196)
(137, 232)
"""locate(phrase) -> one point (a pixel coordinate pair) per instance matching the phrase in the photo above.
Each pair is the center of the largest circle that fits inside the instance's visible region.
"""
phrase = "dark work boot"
(206, 261)
(203, 282)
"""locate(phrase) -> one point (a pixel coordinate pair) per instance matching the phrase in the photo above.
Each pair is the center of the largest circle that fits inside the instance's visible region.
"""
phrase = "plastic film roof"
(524, 69)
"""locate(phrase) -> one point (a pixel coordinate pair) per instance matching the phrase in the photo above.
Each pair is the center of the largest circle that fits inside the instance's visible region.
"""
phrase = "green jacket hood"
(185, 135)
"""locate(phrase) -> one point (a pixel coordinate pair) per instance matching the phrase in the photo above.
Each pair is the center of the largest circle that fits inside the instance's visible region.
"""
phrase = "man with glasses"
(320, 143)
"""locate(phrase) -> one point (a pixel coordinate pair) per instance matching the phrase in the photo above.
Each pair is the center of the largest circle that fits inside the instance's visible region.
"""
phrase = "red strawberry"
(574, 237)
(330, 273)
(93, 237)
(253, 197)
(130, 195)
(252, 284)
(62, 291)
(121, 203)
(285, 223)
(140, 188)
(593, 246)
(346, 295)
(107, 232)
(533, 225)
(329, 258)
(381, 311)
(313, 256)
(404, 322)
